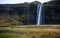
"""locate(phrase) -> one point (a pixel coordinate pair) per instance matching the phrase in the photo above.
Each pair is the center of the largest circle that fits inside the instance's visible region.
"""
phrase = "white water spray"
(39, 14)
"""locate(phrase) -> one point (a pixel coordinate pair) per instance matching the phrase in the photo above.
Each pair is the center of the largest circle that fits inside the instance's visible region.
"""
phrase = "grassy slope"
(32, 32)
(11, 35)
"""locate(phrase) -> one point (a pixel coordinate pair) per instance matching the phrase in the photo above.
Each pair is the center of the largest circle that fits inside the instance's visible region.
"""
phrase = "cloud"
(19, 1)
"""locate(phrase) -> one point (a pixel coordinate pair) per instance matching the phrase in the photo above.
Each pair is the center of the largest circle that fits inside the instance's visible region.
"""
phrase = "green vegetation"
(11, 35)
(31, 35)
(30, 32)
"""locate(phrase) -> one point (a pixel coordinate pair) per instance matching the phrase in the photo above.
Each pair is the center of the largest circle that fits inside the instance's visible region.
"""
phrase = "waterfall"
(39, 14)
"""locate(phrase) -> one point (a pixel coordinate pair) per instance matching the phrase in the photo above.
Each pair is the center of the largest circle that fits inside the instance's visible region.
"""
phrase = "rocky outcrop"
(52, 12)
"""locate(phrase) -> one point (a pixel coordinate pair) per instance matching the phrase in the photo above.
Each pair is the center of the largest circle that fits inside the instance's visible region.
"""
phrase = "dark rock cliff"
(26, 13)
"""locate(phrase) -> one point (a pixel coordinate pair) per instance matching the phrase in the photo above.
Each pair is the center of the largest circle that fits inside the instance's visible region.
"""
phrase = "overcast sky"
(19, 1)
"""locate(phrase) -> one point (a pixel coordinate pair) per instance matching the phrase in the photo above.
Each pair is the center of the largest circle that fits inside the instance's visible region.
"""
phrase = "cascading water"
(39, 14)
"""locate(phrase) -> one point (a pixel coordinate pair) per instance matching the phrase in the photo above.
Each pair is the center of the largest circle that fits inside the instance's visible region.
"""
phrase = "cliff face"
(52, 12)
(20, 13)
(16, 14)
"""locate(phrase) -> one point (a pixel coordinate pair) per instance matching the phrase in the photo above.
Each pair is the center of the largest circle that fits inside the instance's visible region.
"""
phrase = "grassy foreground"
(11, 35)
(30, 32)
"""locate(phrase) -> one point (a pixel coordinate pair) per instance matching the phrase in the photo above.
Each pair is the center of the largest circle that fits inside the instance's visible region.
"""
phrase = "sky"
(20, 1)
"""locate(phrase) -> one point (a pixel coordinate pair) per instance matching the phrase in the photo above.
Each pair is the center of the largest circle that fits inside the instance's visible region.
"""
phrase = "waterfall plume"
(39, 14)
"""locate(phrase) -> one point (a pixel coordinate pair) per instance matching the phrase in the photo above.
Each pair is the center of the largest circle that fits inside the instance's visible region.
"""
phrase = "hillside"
(26, 13)
(52, 12)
